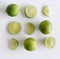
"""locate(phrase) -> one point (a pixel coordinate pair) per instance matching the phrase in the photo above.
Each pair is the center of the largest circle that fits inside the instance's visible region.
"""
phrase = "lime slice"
(45, 27)
(46, 11)
(13, 10)
(30, 28)
(14, 44)
(14, 27)
(50, 42)
(31, 11)
(30, 44)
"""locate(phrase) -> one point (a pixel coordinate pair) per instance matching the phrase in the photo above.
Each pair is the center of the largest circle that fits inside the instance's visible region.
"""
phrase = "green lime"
(14, 44)
(30, 44)
(46, 11)
(30, 28)
(14, 27)
(31, 11)
(50, 42)
(45, 27)
(13, 10)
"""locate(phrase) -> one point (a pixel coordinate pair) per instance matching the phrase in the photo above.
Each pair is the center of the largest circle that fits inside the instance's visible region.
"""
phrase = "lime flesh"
(46, 11)
(14, 44)
(30, 28)
(13, 10)
(31, 11)
(30, 44)
(14, 27)
(50, 42)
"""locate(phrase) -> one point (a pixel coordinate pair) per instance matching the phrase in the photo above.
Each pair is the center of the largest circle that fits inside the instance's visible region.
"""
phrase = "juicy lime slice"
(46, 11)
(13, 10)
(31, 11)
(14, 44)
(50, 42)
(30, 44)
(14, 27)
(45, 27)
(30, 28)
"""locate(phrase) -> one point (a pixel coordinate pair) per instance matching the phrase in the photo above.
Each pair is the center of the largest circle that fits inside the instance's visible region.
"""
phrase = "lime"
(46, 10)
(14, 44)
(45, 27)
(13, 10)
(50, 42)
(30, 44)
(31, 11)
(30, 28)
(14, 27)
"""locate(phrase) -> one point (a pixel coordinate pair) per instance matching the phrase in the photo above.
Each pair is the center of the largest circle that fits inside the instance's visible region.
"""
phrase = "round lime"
(45, 27)
(13, 10)
(30, 28)
(14, 27)
(14, 44)
(46, 10)
(50, 42)
(30, 44)
(31, 11)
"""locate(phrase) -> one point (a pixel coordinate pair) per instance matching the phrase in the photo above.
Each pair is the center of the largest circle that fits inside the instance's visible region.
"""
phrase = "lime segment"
(14, 44)
(30, 28)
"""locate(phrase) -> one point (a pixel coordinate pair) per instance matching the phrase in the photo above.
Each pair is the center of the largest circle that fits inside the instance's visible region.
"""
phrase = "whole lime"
(45, 27)
(30, 44)
(13, 10)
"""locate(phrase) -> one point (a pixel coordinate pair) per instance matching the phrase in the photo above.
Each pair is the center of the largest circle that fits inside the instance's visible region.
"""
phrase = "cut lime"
(31, 11)
(14, 44)
(46, 11)
(14, 27)
(30, 44)
(50, 42)
(30, 28)
(45, 27)
(13, 10)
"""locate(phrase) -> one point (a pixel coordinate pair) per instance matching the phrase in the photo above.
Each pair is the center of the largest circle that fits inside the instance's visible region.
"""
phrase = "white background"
(41, 52)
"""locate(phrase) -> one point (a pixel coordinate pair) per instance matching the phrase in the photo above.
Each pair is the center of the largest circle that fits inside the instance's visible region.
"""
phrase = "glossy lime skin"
(13, 10)
(45, 27)
(30, 44)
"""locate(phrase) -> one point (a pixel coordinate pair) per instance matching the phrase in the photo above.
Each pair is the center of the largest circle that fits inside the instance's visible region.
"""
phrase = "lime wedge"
(30, 28)
(46, 11)
(14, 44)
(31, 11)
(50, 42)
(14, 27)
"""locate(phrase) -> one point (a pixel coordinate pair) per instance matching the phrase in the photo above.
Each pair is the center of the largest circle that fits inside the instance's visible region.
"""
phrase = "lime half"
(30, 28)
(14, 44)
(50, 42)
(46, 11)
(13, 10)
(31, 11)
(14, 27)
(30, 44)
